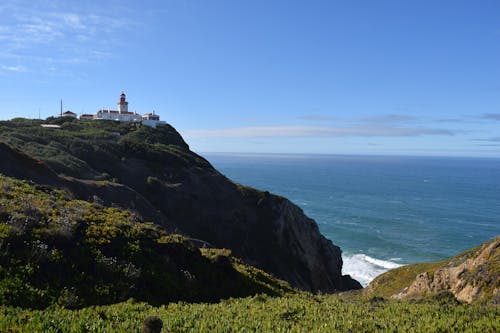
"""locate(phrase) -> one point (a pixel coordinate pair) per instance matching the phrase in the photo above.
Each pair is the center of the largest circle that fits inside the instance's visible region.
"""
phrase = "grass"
(78, 148)
(293, 313)
(395, 280)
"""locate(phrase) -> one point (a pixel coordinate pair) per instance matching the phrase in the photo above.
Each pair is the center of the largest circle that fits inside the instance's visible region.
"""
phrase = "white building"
(123, 114)
(152, 120)
(117, 115)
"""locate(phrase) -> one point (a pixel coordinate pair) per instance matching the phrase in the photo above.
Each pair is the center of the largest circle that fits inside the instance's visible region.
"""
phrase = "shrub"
(152, 324)
(152, 181)
(55, 250)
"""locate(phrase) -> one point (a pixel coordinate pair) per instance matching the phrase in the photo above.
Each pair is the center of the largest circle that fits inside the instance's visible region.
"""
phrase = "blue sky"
(334, 77)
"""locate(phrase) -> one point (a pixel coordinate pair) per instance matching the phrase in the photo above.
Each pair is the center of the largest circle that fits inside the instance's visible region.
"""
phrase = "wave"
(365, 268)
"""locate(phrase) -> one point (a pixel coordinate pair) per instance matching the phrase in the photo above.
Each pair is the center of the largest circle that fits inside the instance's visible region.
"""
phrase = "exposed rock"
(322, 260)
(471, 276)
(266, 230)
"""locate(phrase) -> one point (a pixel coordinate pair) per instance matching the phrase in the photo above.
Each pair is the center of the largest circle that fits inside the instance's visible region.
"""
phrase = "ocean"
(383, 211)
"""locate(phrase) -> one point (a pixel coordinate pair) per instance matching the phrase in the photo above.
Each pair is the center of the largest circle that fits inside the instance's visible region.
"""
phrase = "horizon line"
(343, 155)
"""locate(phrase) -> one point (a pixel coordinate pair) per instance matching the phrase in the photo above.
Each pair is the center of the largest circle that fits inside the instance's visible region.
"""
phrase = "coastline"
(382, 211)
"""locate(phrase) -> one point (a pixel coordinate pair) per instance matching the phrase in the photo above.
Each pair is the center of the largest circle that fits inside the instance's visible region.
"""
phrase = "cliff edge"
(153, 173)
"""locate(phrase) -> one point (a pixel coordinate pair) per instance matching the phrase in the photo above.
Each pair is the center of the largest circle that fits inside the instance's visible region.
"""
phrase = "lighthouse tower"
(122, 104)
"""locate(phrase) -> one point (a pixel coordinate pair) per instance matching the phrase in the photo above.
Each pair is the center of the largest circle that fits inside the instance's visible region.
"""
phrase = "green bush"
(152, 181)
(152, 324)
(55, 250)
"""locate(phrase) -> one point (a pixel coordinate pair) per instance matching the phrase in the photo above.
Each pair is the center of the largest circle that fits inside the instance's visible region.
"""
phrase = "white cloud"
(386, 118)
(317, 131)
(72, 20)
(18, 68)
(40, 35)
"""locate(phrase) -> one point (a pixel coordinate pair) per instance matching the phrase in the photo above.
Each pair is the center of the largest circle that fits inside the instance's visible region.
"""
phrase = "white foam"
(395, 259)
(365, 268)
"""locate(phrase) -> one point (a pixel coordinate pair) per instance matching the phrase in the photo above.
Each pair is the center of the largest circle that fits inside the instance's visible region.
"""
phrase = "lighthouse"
(122, 104)
(123, 114)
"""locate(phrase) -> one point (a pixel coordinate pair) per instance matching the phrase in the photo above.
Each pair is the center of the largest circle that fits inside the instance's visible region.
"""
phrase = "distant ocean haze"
(383, 211)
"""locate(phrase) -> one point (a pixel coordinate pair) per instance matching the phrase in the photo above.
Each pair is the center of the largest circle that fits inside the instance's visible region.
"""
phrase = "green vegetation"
(395, 280)
(153, 173)
(293, 313)
(54, 250)
(69, 265)
(78, 148)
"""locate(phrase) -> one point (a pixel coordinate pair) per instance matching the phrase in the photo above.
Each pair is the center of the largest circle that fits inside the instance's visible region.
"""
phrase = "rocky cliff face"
(469, 279)
(153, 172)
(321, 260)
(471, 276)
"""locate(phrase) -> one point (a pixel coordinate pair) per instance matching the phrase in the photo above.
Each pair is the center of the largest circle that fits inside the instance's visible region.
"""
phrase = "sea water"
(383, 211)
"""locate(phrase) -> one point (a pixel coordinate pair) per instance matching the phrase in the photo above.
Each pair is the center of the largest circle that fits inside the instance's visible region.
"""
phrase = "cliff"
(153, 173)
(472, 276)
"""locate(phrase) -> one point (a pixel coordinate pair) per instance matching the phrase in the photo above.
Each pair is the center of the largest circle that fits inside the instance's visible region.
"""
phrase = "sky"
(328, 77)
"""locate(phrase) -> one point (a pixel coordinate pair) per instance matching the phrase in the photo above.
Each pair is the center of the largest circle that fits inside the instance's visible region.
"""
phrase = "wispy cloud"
(489, 145)
(494, 139)
(72, 20)
(389, 118)
(491, 116)
(386, 119)
(17, 68)
(318, 118)
(43, 34)
(451, 120)
(317, 131)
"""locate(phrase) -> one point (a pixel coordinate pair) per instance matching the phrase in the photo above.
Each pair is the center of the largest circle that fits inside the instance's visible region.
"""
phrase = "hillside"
(152, 173)
(55, 250)
(103, 224)
(472, 276)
